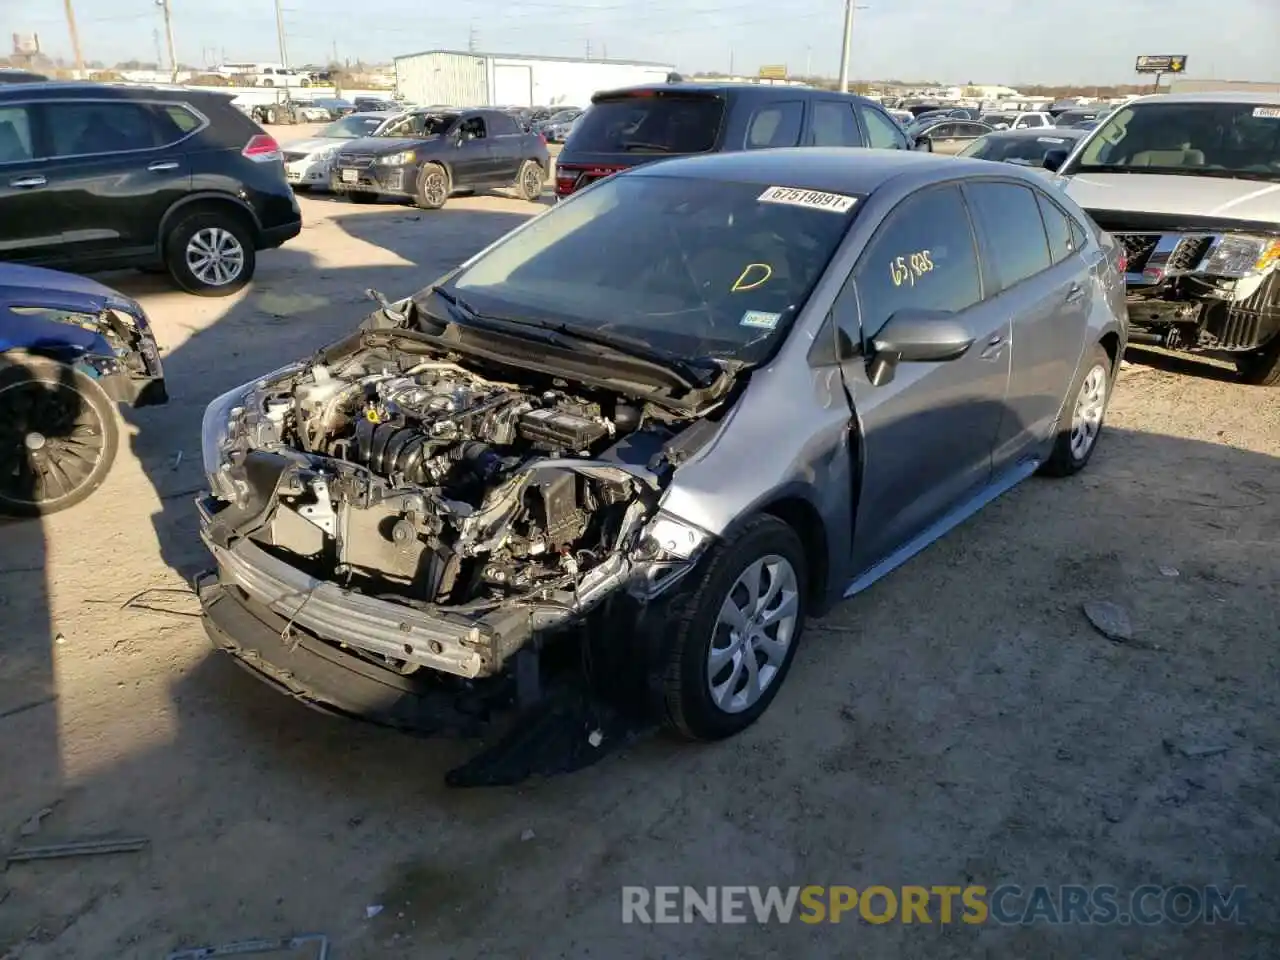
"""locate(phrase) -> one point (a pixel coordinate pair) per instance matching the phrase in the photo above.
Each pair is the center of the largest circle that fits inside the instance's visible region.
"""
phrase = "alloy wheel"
(214, 256)
(753, 631)
(1086, 420)
(51, 442)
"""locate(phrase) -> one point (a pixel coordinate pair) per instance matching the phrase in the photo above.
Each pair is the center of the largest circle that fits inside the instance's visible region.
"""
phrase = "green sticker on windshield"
(760, 320)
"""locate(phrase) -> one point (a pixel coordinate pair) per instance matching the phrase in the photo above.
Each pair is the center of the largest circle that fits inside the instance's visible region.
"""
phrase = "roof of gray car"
(1253, 97)
(1026, 133)
(835, 169)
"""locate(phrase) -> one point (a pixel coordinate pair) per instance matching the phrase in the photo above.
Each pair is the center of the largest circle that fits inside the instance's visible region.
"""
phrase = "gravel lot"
(959, 723)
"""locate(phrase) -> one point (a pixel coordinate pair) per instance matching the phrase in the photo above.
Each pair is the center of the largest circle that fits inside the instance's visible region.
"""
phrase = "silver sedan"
(668, 420)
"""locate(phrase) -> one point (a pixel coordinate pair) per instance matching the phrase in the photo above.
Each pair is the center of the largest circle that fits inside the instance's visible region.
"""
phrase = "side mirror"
(924, 145)
(1054, 159)
(915, 336)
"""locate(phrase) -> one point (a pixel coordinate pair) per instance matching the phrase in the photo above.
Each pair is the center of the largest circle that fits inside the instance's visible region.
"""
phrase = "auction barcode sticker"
(816, 199)
(1270, 113)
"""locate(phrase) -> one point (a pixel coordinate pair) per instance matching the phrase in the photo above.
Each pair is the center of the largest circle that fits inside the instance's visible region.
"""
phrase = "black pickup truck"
(428, 155)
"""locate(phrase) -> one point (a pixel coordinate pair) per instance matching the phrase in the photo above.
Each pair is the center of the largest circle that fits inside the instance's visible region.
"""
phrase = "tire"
(1261, 368)
(529, 181)
(72, 420)
(1087, 402)
(361, 196)
(204, 232)
(688, 706)
(269, 115)
(433, 187)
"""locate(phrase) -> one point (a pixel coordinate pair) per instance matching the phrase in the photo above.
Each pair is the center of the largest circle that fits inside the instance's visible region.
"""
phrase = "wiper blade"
(628, 346)
(643, 145)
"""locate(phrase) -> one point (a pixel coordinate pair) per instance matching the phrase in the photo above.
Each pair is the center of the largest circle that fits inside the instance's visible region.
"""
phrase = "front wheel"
(735, 634)
(529, 181)
(1087, 406)
(58, 436)
(1261, 368)
(433, 187)
(210, 254)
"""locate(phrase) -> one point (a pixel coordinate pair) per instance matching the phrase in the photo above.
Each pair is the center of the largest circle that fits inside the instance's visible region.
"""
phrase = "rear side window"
(1010, 220)
(1057, 225)
(97, 126)
(15, 135)
(502, 125)
(776, 125)
(882, 132)
(922, 257)
(650, 124)
(834, 125)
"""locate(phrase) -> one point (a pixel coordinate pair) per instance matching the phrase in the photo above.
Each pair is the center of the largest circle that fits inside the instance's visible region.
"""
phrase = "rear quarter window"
(651, 124)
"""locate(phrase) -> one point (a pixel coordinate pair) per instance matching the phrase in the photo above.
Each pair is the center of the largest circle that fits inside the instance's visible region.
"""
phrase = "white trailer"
(502, 80)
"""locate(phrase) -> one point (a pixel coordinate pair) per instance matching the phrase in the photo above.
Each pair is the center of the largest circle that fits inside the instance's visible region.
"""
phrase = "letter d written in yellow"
(812, 907)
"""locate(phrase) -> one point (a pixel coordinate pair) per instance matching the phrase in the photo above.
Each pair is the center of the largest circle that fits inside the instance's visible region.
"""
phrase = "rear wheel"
(529, 181)
(58, 436)
(210, 253)
(1261, 368)
(1087, 406)
(433, 187)
(269, 115)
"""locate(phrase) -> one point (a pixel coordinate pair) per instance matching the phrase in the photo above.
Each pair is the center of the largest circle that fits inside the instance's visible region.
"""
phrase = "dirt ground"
(959, 723)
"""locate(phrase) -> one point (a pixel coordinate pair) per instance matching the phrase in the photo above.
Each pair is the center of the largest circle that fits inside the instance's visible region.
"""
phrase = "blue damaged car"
(70, 350)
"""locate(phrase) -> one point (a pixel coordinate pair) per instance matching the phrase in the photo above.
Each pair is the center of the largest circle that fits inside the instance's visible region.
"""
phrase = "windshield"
(650, 124)
(419, 125)
(1028, 151)
(564, 116)
(349, 128)
(698, 268)
(1206, 139)
(992, 119)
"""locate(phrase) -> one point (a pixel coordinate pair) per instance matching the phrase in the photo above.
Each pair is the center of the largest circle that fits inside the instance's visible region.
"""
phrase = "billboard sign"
(774, 72)
(1162, 63)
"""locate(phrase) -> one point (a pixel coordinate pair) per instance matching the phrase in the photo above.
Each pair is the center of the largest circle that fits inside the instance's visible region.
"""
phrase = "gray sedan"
(667, 421)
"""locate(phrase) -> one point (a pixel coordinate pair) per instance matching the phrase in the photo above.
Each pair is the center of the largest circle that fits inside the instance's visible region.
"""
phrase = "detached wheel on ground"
(735, 635)
(210, 253)
(1086, 409)
(433, 187)
(1261, 368)
(529, 181)
(58, 436)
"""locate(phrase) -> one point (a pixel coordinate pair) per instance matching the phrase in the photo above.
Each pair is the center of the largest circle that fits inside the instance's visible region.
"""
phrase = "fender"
(167, 220)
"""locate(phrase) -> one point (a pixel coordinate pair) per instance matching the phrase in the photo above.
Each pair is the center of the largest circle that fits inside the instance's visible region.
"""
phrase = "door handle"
(1075, 294)
(161, 165)
(28, 182)
(994, 347)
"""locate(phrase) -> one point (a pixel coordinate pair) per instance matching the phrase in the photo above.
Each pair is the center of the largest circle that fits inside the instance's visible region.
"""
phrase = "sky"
(952, 41)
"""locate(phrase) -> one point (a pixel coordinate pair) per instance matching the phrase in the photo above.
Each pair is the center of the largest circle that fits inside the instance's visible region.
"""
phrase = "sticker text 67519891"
(911, 268)
(813, 199)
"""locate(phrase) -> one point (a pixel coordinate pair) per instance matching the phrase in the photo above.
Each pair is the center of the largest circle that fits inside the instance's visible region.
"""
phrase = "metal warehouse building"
(506, 80)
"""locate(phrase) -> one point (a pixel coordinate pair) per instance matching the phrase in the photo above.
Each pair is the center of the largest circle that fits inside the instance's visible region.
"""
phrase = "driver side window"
(472, 128)
(922, 256)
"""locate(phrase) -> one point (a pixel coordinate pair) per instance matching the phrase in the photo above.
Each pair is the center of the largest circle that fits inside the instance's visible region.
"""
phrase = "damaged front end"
(1211, 290)
(422, 526)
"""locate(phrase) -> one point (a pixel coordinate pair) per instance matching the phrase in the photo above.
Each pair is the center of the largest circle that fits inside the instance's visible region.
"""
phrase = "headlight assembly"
(215, 432)
(397, 159)
(1242, 255)
(670, 537)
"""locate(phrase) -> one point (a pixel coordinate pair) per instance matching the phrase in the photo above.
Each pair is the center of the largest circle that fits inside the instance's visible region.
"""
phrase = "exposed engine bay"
(498, 508)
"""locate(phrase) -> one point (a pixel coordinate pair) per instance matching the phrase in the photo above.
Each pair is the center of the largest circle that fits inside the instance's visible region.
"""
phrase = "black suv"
(625, 128)
(102, 176)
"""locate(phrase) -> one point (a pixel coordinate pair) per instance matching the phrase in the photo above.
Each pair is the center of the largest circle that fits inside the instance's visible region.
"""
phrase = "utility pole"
(588, 48)
(75, 34)
(731, 61)
(335, 52)
(168, 34)
(604, 51)
(847, 46)
(284, 52)
(808, 61)
(472, 39)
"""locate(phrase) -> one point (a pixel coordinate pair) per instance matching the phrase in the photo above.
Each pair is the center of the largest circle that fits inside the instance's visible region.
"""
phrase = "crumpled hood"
(35, 286)
(1174, 196)
(379, 146)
